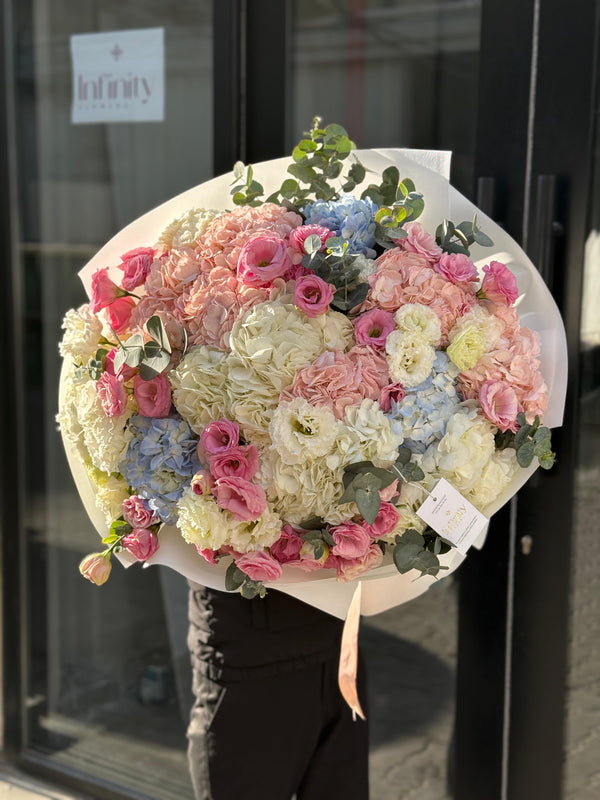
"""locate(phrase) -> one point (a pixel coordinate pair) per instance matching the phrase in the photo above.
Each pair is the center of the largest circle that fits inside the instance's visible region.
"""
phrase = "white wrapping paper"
(383, 587)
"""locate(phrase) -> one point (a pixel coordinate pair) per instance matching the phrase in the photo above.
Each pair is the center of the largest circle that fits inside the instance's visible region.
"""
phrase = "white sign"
(452, 516)
(118, 76)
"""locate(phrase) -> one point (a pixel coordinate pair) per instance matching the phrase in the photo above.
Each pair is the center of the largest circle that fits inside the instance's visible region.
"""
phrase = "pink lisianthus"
(219, 436)
(96, 568)
(210, 556)
(312, 295)
(373, 327)
(287, 548)
(350, 569)
(119, 313)
(457, 268)
(385, 521)
(125, 373)
(395, 392)
(153, 397)
(418, 240)
(239, 461)
(136, 514)
(141, 543)
(299, 235)
(112, 394)
(351, 540)
(263, 258)
(202, 482)
(499, 284)
(245, 500)
(136, 266)
(500, 404)
(259, 566)
(104, 291)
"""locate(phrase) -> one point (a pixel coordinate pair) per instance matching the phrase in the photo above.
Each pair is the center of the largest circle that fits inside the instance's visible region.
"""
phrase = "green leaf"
(302, 172)
(150, 368)
(404, 456)
(151, 349)
(391, 175)
(314, 523)
(328, 538)
(409, 185)
(483, 239)
(357, 172)
(289, 188)
(406, 556)
(525, 454)
(251, 589)
(157, 331)
(368, 502)
(312, 244)
(234, 577)
(521, 436)
(521, 419)
(542, 434)
(119, 359)
(238, 170)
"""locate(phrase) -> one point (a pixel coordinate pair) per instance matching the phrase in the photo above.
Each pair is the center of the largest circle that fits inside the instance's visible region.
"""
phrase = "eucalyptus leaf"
(525, 454)
(234, 577)
(251, 589)
(368, 502)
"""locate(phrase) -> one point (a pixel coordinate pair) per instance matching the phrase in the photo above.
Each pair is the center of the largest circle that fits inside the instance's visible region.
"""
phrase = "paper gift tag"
(452, 516)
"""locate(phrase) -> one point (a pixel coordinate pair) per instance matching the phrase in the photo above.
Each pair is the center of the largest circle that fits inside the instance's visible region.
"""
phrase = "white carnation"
(417, 319)
(187, 229)
(111, 490)
(379, 436)
(82, 335)
(68, 416)
(199, 383)
(410, 358)
(202, 522)
(106, 438)
(301, 432)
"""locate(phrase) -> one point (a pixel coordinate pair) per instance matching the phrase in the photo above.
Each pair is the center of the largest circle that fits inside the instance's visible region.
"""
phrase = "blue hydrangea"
(348, 217)
(159, 462)
(426, 409)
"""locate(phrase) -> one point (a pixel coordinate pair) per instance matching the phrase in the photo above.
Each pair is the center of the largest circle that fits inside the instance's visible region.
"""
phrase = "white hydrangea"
(250, 399)
(199, 386)
(419, 320)
(82, 335)
(494, 478)
(301, 432)
(187, 229)
(258, 534)
(311, 491)
(379, 436)
(410, 358)
(111, 490)
(106, 438)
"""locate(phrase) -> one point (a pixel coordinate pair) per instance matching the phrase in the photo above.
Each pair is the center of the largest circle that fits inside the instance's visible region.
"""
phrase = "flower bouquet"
(269, 396)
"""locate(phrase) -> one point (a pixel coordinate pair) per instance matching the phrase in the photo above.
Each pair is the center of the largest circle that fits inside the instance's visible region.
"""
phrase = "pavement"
(15, 785)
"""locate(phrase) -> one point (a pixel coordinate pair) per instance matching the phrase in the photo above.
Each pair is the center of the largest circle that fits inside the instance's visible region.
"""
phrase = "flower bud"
(307, 552)
(96, 568)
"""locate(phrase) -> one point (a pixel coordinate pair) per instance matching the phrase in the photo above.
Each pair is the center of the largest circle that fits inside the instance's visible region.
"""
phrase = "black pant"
(271, 736)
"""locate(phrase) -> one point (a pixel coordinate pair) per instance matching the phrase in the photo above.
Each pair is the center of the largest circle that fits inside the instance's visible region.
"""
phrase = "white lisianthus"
(199, 386)
(409, 358)
(494, 478)
(203, 523)
(465, 450)
(82, 335)
(379, 436)
(106, 438)
(415, 318)
(301, 432)
(187, 229)
(473, 334)
(111, 490)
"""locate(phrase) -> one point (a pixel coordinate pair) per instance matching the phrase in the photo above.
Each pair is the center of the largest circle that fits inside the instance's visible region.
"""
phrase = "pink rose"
(245, 500)
(219, 436)
(262, 259)
(351, 540)
(210, 556)
(457, 268)
(125, 373)
(420, 241)
(499, 284)
(238, 461)
(500, 404)
(136, 514)
(395, 392)
(96, 568)
(112, 395)
(373, 327)
(385, 521)
(389, 492)
(136, 266)
(299, 235)
(141, 543)
(119, 313)
(259, 566)
(287, 547)
(202, 482)
(104, 291)
(312, 295)
(153, 397)
(355, 567)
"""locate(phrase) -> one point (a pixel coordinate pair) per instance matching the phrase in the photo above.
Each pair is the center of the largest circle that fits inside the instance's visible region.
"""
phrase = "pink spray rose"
(351, 569)
(262, 259)
(373, 327)
(385, 521)
(202, 482)
(96, 568)
(112, 395)
(499, 284)
(136, 514)
(153, 397)
(238, 461)
(395, 392)
(125, 373)
(388, 492)
(351, 540)
(420, 241)
(245, 500)
(219, 436)
(210, 556)
(457, 268)
(259, 566)
(287, 548)
(141, 543)
(104, 291)
(500, 404)
(136, 266)
(119, 313)
(312, 295)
